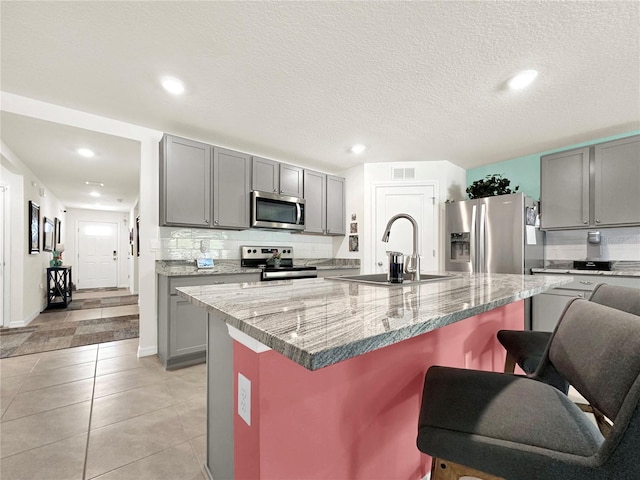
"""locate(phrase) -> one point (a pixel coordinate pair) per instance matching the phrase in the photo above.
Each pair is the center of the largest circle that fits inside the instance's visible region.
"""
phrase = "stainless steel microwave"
(270, 210)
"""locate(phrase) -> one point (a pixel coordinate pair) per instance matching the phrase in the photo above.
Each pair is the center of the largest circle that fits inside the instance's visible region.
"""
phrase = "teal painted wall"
(525, 171)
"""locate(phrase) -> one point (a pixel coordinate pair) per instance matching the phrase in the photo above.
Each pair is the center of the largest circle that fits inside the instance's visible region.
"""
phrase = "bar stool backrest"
(597, 349)
(622, 298)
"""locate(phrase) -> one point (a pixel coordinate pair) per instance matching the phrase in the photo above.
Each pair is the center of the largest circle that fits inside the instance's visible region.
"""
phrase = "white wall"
(70, 255)
(28, 278)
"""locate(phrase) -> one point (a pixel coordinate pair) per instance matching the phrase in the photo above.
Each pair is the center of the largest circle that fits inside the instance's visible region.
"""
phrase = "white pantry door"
(97, 255)
(417, 201)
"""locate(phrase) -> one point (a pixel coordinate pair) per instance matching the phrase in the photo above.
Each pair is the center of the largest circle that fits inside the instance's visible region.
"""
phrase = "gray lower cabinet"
(547, 307)
(202, 185)
(182, 326)
(594, 186)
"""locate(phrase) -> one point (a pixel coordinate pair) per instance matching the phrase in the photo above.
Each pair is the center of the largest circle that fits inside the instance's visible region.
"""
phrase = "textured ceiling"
(302, 81)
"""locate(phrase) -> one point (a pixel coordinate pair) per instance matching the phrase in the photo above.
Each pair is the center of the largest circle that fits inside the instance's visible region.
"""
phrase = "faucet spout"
(412, 268)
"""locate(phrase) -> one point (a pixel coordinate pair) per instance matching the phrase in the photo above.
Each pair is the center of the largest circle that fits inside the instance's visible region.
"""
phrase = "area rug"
(83, 304)
(58, 334)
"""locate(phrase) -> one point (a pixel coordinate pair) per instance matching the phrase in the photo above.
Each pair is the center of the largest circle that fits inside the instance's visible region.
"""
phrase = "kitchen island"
(327, 375)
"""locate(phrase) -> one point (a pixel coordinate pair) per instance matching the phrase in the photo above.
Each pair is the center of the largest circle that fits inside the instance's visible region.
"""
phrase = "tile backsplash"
(616, 244)
(186, 243)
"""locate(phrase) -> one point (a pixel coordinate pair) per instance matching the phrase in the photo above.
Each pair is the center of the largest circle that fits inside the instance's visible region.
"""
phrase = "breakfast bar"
(322, 378)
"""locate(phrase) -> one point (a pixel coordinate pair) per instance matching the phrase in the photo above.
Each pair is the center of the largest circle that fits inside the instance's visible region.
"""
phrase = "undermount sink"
(381, 279)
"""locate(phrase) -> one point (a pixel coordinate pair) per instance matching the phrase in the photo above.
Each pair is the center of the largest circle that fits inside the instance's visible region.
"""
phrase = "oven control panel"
(258, 253)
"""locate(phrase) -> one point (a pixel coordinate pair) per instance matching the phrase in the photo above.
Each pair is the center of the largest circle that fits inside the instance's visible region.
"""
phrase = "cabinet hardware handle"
(584, 282)
(379, 264)
(218, 283)
(281, 191)
(585, 222)
(215, 222)
(597, 221)
(206, 221)
(275, 190)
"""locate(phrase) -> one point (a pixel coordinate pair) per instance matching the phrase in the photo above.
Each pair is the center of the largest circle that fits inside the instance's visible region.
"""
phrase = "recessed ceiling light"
(94, 194)
(173, 85)
(358, 148)
(522, 79)
(85, 152)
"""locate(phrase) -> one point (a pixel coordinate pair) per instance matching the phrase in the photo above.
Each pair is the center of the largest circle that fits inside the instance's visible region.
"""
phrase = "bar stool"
(526, 348)
(520, 428)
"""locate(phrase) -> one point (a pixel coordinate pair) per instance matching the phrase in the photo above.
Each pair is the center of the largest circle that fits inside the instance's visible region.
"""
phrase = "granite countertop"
(175, 268)
(319, 322)
(620, 269)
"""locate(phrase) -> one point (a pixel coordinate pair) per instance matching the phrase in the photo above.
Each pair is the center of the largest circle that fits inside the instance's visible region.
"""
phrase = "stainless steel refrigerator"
(494, 235)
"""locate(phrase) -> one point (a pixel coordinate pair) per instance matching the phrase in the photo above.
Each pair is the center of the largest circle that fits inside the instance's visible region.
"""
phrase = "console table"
(58, 287)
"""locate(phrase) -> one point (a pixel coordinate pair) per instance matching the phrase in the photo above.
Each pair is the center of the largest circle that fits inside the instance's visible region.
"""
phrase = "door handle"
(379, 264)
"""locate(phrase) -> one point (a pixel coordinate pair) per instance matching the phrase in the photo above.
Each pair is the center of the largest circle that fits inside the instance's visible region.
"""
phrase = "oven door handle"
(291, 275)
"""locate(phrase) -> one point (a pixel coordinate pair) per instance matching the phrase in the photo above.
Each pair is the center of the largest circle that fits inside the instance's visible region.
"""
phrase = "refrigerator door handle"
(482, 247)
(473, 242)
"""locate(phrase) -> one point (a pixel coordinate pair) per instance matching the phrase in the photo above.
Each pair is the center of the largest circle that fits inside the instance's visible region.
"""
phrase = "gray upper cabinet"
(185, 182)
(265, 175)
(617, 182)
(315, 195)
(271, 176)
(291, 179)
(590, 187)
(336, 211)
(231, 190)
(564, 189)
(202, 185)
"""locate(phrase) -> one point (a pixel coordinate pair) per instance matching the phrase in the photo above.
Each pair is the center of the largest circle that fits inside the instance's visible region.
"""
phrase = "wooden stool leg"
(601, 422)
(446, 470)
(509, 364)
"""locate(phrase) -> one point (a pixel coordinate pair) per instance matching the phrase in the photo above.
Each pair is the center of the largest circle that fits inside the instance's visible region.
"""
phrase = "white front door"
(417, 201)
(97, 255)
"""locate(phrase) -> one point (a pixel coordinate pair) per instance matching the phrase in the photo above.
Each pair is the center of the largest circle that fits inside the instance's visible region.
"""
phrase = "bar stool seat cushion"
(501, 419)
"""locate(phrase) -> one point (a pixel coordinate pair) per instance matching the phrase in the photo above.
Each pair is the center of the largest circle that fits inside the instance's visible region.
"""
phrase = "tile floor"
(99, 411)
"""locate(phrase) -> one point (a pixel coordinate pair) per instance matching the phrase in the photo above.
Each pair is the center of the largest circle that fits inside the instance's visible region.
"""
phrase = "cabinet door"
(291, 180)
(617, 181)
(336, 217)
(564, 189)
(185, 182)
(315, 209)
(187, 327)
(265, 175)
(547, 308)
(230, 189)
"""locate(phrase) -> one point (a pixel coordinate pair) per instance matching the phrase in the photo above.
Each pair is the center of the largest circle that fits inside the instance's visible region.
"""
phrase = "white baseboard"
(27, 320)
(147, 351)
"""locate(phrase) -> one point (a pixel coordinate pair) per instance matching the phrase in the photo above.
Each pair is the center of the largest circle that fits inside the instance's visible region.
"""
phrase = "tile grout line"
(93, 390)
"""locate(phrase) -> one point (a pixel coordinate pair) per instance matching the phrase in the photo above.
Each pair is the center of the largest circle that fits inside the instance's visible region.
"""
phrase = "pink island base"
(356, 419)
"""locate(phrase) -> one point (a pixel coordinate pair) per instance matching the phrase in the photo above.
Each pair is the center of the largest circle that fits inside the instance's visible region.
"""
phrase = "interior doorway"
(417, 200)
(97, 254)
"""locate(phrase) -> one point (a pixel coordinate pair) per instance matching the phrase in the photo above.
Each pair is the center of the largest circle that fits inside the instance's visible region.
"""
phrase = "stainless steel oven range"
(274, 268)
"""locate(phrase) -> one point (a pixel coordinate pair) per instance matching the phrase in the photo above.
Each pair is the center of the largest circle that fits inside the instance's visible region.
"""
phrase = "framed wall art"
(58, 231)
(47, 235)
(34, 227)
